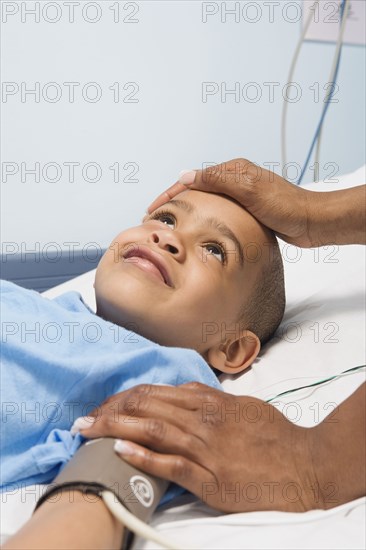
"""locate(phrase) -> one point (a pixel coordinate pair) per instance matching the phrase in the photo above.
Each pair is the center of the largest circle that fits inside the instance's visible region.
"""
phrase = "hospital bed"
(322, 334)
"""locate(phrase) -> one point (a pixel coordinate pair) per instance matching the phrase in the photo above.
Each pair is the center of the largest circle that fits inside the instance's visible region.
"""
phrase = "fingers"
(236, 178)
(133, 401)
(131, 412)
(166, 196)
(187, 396)
(182, 407)
(177, 469)
(155, 433)
(173, 423)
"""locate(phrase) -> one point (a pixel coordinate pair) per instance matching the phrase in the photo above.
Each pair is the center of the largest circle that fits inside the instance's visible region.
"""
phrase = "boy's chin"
(134, 323)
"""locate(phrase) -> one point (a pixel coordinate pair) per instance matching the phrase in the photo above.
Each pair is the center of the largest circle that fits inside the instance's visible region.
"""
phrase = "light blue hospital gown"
(59, 361)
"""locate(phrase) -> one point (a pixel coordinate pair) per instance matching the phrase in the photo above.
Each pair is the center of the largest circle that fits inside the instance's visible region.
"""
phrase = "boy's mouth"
(148, 260)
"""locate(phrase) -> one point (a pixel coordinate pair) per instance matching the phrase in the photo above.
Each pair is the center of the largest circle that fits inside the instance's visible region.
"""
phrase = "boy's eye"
(216, 250)
(165, 217)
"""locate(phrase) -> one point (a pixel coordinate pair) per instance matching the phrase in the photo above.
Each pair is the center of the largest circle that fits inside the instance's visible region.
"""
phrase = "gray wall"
(168, 52)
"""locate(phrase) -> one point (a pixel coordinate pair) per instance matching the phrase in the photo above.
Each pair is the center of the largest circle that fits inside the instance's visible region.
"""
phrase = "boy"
(183, 278)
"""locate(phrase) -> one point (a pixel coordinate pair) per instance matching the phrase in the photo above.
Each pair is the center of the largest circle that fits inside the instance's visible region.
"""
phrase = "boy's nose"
(169, 241)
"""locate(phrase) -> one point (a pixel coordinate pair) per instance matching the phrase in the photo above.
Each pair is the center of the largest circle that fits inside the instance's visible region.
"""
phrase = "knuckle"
(243, 167)
(147, 460)
(212, 169)
(115, 404)
(181, 469)
(235, 164)
(137, 394)
(96, 413)
(105, 423)
(207, 395)
(210, 174)
(115, 398)
(252, 174)
(194, 386)
(108, 422)
(142, 389)
(132, 407)
(155, 429)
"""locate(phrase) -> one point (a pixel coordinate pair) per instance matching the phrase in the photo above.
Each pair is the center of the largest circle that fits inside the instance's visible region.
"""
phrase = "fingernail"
(123, 447)
(186, 177)
(82, 423)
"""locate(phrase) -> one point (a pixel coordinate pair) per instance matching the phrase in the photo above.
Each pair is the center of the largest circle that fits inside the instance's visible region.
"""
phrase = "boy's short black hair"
(264, 312)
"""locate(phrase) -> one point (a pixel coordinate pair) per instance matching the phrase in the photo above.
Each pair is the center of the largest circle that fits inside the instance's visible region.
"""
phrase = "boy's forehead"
(220, 207)
(200, 203)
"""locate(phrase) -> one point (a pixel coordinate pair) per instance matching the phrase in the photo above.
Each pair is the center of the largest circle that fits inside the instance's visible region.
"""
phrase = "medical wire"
(138, 526)
(330, 91)
(289, 79)
(332, 78)
(316, 383)
(334, 71)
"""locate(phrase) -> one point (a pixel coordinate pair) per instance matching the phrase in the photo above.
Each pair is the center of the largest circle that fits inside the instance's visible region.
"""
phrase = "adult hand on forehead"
(237, 454)
(278, 204)
(298, 216)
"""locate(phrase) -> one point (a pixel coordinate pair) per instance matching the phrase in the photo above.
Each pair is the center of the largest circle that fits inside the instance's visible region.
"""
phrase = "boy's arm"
(75, 521)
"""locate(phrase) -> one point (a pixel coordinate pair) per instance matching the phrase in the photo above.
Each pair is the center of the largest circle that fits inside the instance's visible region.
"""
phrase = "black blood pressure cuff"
(96, 467)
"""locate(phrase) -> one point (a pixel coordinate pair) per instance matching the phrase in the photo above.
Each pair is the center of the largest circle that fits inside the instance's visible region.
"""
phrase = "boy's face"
(182, 277)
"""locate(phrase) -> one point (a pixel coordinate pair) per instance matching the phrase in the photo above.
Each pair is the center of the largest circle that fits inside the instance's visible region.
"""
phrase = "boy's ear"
(235, 355)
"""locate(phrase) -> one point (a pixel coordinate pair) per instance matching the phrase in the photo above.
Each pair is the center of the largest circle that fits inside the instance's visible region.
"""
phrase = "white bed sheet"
(323, 333)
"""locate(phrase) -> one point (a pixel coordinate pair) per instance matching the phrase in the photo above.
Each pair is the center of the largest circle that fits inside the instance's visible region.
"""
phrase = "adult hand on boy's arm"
(300, 217)
(236, 453)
